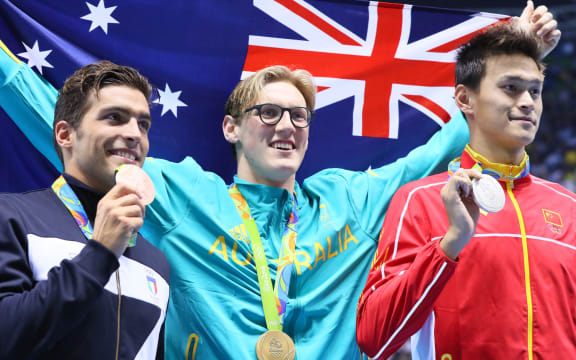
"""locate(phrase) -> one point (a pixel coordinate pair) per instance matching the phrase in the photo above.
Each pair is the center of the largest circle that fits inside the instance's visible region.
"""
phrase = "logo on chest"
(152, 285)
(306, 257)
(553, 221)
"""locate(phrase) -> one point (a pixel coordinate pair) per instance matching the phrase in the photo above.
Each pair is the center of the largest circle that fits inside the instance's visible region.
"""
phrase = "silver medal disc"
(488, 194)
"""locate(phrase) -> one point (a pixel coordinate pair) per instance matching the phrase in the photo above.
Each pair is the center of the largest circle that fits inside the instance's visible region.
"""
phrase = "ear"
(464, 98)
(64, 133)
(230, 129)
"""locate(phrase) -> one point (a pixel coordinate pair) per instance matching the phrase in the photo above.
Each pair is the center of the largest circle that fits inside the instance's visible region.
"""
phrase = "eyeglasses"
(270, 114)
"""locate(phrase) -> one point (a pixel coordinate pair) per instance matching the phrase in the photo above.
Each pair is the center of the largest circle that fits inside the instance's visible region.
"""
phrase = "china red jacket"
(510, 295)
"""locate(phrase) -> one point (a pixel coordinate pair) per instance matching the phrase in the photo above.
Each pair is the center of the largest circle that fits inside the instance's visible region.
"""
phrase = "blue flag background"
(196, 51)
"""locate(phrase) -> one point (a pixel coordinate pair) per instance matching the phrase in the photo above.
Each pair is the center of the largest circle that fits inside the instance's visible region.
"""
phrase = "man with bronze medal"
(77, 281)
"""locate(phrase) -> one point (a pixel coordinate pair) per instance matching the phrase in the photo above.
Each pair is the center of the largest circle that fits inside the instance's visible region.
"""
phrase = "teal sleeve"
(369, 192)
(29, 100)
(430, 158)
(176, 186)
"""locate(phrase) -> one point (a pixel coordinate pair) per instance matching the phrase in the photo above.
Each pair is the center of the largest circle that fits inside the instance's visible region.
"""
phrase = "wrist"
(454, 241)
(115, 248)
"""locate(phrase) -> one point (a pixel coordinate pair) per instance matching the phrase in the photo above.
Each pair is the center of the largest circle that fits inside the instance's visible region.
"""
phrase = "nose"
(285, 123)
(526, 101)
(131, 132)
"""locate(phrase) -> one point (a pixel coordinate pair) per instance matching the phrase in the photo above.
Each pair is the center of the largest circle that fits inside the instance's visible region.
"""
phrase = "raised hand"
(462, 211)
(120, 214)
(542, 23)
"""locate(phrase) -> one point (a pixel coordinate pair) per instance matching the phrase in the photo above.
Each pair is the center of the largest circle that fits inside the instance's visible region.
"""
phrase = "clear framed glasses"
(270, 114)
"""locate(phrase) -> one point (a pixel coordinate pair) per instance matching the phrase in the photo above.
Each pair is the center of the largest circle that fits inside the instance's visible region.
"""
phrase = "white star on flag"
(169, 100)
(36, 58)
(100, 16)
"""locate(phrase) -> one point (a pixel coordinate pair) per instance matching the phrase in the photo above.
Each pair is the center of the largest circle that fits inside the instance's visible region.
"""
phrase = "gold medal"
(275, 345)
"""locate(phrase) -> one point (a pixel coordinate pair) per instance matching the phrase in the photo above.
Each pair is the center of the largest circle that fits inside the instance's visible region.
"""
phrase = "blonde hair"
(246, 93)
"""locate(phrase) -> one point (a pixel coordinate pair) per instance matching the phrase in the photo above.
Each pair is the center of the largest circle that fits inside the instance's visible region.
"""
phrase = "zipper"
(119, 306)
(509, 186)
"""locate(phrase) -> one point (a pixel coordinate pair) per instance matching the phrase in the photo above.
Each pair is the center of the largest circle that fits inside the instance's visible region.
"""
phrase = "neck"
(498, 155)
(88, 196)
(97, 184)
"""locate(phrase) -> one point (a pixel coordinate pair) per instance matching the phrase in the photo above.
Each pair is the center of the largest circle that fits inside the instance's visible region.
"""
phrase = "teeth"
(283, 146)
(127, 155)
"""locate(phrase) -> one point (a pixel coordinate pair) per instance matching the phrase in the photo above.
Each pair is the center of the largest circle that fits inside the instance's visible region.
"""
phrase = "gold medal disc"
(275, 345)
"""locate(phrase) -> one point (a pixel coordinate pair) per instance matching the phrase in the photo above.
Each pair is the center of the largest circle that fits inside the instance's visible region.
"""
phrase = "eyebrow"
(521, 79)
(142, 115)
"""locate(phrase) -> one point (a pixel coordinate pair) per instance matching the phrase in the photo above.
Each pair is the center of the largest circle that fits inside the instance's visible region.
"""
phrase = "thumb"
(527, 12)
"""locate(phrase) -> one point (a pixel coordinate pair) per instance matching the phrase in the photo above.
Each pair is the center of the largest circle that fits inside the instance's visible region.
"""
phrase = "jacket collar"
(502, 172)
(87, 196)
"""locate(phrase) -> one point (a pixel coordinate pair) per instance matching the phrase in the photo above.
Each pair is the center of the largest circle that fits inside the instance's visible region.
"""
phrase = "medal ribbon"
(503, 172)
(68, 197)
(273, 299)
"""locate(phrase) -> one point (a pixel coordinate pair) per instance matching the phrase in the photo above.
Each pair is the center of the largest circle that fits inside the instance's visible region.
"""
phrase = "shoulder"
(28, 202)
(552, 188)
(34, 212)
(331, 173)
(420, 194)
(38, 212)
(429, 184)
(187, 172)
(328, 178)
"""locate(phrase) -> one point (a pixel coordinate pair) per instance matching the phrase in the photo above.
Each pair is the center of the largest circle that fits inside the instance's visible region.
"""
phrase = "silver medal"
(488, 194)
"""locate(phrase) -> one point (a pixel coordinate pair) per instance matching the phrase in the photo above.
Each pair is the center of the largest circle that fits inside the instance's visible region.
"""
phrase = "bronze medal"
(135, 176)
(275, 345)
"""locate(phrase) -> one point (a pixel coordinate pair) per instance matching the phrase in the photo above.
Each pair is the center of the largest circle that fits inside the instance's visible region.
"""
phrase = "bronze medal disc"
(135, 176)
(275, 345)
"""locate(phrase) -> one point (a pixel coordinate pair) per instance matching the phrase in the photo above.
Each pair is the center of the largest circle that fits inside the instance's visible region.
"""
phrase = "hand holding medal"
(136, 177)
(467, 193)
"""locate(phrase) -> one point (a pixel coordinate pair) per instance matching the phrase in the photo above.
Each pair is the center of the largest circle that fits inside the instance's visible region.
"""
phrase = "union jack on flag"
(384, 71)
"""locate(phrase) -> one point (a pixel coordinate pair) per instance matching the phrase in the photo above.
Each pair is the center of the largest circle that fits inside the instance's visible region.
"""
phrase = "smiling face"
(504, 112)
(269, 154)
(112, 132)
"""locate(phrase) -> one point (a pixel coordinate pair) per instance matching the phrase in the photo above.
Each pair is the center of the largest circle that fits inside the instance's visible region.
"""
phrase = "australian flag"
(384, 71)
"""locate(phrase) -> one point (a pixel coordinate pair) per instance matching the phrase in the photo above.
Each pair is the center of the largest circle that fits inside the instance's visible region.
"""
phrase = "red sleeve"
(407, 276)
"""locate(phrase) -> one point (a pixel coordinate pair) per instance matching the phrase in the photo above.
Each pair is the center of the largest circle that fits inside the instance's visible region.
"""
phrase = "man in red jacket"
(464, 283)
